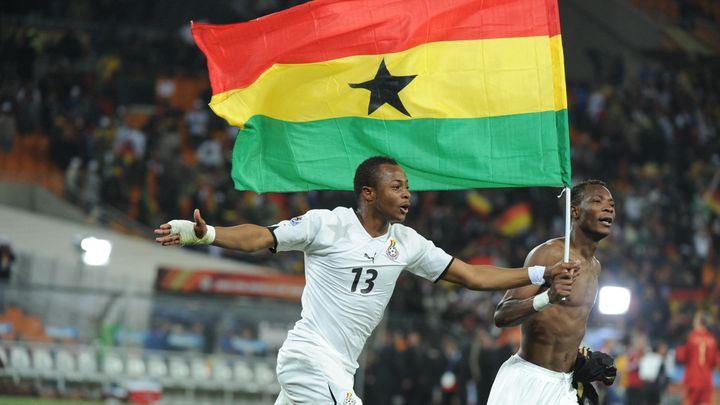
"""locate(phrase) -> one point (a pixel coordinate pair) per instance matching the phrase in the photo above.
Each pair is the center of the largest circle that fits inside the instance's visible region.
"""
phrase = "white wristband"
(187, 233)
(537, 274)
(541, 301)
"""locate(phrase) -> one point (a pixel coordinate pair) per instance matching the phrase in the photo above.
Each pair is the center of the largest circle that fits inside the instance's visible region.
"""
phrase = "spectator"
(634, 388)
(7, 258)
(91, 187)
(73, 178)
(700, 355)
(653, 372)
(8, 126)
(197, 123)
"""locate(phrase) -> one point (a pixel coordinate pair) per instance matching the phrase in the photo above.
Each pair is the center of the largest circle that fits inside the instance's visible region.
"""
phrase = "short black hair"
(577, 193)
(366, 173)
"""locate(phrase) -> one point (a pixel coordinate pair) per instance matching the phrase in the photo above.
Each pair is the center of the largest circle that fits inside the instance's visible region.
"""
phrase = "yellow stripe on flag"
(455, 79)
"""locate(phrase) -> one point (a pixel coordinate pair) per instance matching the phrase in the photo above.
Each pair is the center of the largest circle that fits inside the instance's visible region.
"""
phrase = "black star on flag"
(384, 88)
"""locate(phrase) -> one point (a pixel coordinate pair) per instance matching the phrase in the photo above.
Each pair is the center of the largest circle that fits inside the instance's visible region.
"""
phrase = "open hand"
(166, 236)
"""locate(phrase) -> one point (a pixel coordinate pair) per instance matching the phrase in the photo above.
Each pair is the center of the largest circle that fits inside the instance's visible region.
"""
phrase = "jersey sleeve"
(297, 233)
(426, 259)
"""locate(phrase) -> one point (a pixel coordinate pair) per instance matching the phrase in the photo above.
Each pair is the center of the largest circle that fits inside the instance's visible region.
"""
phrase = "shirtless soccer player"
(352, 261)
(552, 328)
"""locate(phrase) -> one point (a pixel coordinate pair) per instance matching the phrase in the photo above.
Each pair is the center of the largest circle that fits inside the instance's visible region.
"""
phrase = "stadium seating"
(244, 376)
(3, 357)
(157, 367)
(82, 364)
(135, 366)
(265, 377)
(87, 365)
(65, 364)
(112, 364)
(43, 363)
(179, 371)
(20, 360)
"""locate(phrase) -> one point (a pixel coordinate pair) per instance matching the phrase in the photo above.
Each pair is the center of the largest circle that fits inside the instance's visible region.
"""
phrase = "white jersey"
(350, 275)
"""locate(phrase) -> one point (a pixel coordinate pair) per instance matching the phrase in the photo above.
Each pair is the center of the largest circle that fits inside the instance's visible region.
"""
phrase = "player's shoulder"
(338, 213)
(551, 249)
(550, 246)
(401, 232)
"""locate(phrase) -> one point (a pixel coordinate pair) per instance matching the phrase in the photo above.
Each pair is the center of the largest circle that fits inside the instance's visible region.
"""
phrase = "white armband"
(541, 301)
(537, 274)
(187, 233)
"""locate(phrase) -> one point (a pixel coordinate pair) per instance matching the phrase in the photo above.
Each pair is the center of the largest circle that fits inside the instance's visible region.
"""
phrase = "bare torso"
(551, 338)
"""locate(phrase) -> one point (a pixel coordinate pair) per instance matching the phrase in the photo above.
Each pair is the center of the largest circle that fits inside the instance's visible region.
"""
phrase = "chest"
(585, 288)
(361, 267)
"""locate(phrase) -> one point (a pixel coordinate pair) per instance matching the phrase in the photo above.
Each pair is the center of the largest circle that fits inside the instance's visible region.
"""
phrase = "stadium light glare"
(96, 252)
(614, 300)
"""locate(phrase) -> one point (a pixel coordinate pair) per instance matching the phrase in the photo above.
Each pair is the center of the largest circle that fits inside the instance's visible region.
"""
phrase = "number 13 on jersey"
(370, 276)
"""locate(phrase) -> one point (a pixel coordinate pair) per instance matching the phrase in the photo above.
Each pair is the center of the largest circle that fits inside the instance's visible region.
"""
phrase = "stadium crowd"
(652, 135)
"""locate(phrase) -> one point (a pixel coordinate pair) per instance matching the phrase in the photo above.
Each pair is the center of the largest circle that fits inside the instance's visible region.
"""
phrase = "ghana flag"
(462, 93)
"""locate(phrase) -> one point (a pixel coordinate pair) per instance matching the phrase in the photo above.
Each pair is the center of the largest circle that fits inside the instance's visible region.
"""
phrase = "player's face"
(393, 194)
(597, 211)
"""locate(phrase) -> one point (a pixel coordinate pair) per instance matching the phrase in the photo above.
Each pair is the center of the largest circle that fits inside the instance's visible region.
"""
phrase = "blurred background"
(105, 133)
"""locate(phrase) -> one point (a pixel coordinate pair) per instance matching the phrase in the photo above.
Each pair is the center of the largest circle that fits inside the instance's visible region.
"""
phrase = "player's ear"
(574, 212)
(367, 193)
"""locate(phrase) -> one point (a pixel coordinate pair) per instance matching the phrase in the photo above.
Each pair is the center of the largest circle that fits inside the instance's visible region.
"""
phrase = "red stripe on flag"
(330, 29)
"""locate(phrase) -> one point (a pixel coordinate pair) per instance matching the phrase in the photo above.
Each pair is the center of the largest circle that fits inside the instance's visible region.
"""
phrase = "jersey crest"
(349, 400)
(392, 250)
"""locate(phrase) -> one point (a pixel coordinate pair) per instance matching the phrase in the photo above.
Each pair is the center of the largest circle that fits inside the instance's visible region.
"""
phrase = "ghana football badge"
(349, 400)
(392, 251)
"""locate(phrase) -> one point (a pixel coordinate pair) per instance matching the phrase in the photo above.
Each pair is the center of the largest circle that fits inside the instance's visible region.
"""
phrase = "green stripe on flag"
(438, 154)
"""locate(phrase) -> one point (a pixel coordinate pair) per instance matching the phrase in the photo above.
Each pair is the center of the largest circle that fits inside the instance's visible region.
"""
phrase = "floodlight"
(614, 300)
(96, 252)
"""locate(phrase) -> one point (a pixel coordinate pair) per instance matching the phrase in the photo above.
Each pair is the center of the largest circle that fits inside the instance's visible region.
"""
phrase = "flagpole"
(566, 253)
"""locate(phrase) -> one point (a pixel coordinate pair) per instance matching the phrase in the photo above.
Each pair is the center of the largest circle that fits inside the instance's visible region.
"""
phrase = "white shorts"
(519, 382)
(309, 376)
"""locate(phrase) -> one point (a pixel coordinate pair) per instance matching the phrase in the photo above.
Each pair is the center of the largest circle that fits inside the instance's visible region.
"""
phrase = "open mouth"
(607, 221)
(404, 209)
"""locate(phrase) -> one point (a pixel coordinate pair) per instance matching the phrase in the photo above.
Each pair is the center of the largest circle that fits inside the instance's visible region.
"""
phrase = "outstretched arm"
(521, 303)
(484, 277)
(246, 237)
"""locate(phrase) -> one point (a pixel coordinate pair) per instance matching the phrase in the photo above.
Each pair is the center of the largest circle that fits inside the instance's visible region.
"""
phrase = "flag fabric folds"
(463, 93)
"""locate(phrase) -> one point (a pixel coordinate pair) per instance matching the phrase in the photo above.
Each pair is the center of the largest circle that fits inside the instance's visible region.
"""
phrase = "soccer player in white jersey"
(352, 261)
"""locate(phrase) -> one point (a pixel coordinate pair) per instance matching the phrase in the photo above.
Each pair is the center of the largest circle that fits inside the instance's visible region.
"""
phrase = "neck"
(583, 243)
(373, 224)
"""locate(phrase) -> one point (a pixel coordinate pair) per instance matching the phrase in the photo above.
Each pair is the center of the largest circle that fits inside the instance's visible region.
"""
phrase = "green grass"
(40, 401)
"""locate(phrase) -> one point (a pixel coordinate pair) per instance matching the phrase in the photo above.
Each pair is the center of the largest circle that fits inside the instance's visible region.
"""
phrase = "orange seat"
(13, 314)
